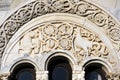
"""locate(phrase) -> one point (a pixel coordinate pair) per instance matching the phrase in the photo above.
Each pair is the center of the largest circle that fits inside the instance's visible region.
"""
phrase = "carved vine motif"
(63, 36)
(42, 7)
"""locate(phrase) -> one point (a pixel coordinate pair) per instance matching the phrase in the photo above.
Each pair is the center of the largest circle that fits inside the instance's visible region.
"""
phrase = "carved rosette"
(51, 43)
(65, 43)
(42, 7)
(115, 33)
(100, 19)
(49, 30)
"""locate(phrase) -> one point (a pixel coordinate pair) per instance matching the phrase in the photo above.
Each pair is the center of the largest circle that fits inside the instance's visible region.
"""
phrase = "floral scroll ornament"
(81, 9)
(60, 5)
(40, 8)
(10, 27)
(2, 42)
(100, 19)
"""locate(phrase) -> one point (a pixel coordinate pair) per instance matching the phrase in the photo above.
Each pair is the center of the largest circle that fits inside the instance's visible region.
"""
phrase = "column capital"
(42, 75)
(4, 76)
(78, 75)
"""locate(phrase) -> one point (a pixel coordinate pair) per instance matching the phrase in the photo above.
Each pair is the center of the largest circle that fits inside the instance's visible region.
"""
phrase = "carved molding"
(42, 7)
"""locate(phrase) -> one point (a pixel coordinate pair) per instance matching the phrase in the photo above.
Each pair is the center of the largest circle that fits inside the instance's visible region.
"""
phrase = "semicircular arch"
(81, 23)
(90, 12)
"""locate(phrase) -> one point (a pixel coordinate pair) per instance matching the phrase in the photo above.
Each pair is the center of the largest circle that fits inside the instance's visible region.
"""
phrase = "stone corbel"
(4, 76)
(42, 75)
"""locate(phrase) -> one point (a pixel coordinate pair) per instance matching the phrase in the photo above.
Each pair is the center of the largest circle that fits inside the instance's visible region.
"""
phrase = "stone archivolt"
(41, 7)
(63, 36)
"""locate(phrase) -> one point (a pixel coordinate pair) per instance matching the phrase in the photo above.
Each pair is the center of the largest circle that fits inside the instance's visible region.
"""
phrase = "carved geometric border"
(41, 7)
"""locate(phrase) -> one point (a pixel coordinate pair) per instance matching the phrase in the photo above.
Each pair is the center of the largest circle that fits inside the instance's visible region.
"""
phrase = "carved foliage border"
(42, 7)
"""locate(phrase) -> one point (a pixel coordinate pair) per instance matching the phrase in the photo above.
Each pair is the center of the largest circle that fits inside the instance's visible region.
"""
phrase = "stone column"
(78, 75)
(42, 75)
(4, 76)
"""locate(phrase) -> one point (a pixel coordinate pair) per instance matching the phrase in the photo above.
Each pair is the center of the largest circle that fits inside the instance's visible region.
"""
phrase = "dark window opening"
(24, 71)
(95, 72)
(59, 69)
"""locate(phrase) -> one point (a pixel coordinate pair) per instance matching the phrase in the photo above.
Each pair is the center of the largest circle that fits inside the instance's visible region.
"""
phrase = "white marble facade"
(83, 31)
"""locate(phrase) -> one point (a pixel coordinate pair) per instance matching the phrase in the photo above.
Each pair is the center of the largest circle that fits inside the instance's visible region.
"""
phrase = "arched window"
(24, 71)
(95, 72)
(25, 74)
(59, 69)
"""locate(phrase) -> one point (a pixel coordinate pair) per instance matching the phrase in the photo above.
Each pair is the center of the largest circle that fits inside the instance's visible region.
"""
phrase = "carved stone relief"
(42, 7)
(59, 35)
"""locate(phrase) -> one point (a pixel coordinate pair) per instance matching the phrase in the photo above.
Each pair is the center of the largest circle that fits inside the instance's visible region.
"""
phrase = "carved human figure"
(41, 42)
(36, 41)
(26, 45)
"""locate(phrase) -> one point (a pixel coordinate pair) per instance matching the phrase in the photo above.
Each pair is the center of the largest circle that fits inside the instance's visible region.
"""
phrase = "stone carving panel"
(42, 7)
(63, 36)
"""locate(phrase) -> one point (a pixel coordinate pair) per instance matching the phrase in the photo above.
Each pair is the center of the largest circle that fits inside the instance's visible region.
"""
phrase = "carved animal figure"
(80, 42)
